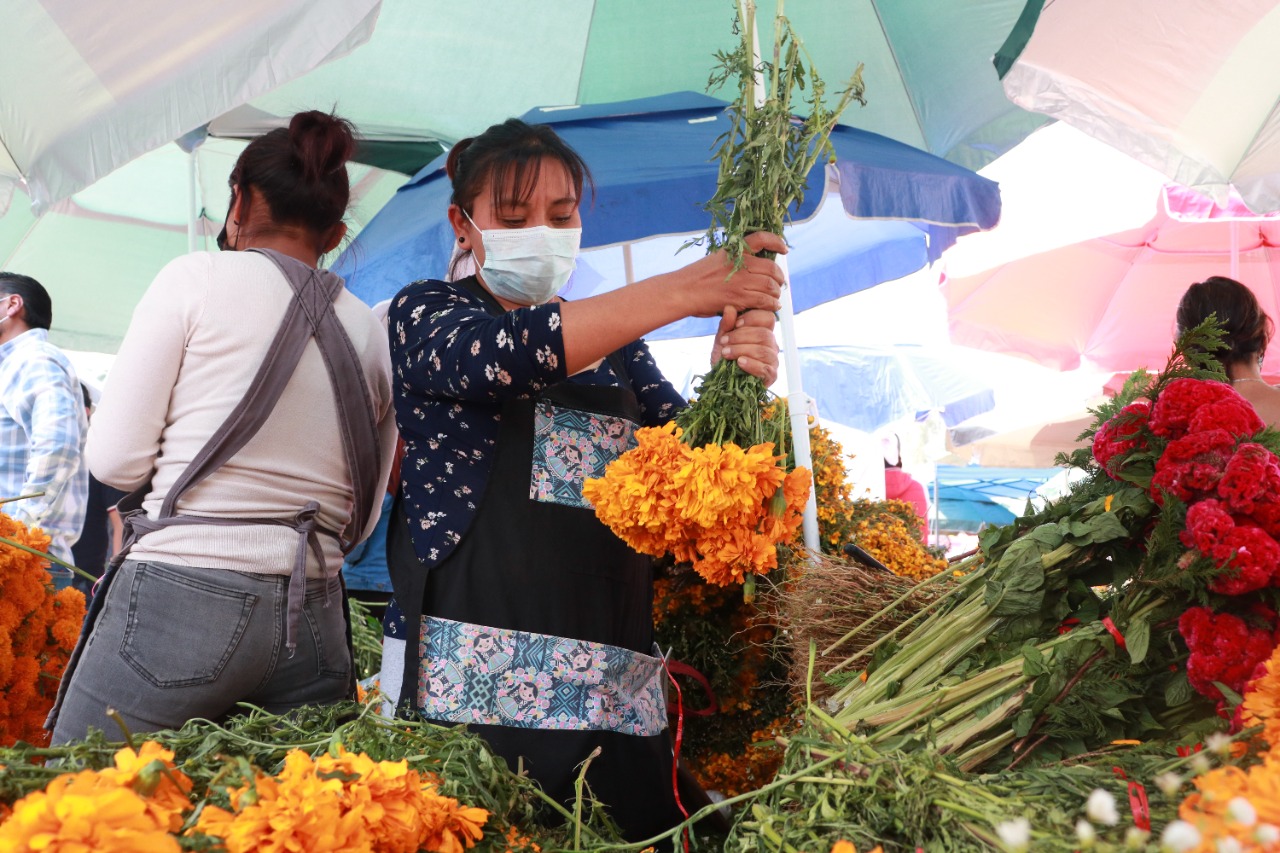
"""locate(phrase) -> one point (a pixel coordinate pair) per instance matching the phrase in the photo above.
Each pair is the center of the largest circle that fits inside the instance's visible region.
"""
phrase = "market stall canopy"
(1188, 87)
(87, 87)
(443, 69)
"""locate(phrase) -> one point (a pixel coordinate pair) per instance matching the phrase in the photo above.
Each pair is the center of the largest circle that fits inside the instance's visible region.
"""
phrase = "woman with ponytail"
(249, 411)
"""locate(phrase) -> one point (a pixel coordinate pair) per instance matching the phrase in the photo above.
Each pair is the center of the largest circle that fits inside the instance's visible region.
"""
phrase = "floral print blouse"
(454, 364)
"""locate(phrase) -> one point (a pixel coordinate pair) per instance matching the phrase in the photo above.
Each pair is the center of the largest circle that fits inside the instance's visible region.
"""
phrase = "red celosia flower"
(1224, 648)
(1235, 415)
(1121, 434)
(1191, 466)
(1178, 403)
(1248, 554)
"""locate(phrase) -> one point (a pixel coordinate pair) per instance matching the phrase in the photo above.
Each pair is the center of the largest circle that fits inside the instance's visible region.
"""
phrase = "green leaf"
(1033, 662)
(1178, 691)
(1023, 722)
(1137, 639)
(1233, 698)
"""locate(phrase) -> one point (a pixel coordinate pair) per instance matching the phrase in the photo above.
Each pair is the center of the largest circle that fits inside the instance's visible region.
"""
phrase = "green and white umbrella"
(445, 70)
(98, 250)
(85, 87)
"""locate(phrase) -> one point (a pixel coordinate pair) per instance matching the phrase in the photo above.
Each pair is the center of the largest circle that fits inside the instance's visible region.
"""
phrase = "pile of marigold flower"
(718, 507)
(38, 631)
(340, 801)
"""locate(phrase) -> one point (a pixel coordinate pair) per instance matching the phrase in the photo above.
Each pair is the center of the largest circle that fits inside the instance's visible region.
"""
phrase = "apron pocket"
(163, 606)
(571, 447)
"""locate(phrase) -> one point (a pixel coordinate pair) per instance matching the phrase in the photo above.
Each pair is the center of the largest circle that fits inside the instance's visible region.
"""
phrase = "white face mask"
(528, 266)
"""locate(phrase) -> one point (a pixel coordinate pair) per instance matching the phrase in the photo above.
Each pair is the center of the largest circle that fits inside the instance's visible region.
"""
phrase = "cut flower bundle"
(1137, 607)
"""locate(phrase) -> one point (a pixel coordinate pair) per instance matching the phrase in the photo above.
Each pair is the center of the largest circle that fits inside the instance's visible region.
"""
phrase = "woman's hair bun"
(321, 142)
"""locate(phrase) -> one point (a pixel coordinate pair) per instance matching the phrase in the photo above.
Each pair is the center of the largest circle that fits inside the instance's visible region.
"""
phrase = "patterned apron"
(567, 598)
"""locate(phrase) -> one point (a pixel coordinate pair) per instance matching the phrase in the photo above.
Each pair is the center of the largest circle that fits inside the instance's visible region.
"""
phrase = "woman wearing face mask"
(249, 412)
(495, 377)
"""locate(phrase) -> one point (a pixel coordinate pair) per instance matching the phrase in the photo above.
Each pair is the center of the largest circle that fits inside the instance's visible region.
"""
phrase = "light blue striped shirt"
(42, 432)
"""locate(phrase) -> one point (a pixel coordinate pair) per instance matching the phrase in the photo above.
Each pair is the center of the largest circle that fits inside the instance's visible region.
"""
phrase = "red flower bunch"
(1248, 554)
(1121, 434)
(1191, 466)
(1194, 405)
(1224, 648)
(1251, 485)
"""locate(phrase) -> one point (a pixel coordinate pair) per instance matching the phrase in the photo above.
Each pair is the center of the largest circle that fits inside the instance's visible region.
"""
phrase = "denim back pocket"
(182, 631)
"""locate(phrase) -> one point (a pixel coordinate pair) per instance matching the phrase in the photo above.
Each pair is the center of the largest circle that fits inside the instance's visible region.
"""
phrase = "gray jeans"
(175, 642)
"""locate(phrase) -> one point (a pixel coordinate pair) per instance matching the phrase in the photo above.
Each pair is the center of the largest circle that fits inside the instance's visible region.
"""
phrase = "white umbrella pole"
(193, 204)
(1235, 250)
(798, 406)
(797, 400)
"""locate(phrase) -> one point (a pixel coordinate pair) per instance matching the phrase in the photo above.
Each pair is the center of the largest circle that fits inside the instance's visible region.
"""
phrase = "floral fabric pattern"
(571, 447)
(455, 364)
(475, 674)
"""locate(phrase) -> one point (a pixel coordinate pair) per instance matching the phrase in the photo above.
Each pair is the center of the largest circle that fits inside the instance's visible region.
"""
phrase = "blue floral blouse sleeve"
(659, 399)
(444, 343)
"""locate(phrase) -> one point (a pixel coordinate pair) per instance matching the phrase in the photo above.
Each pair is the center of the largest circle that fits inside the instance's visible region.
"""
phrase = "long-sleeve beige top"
(195, 342)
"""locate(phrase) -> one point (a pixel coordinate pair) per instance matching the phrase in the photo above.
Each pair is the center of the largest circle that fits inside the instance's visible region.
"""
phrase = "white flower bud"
(1179, 837)
(1015, 834)
(1085, 833)
(1136, 839)
(1101, 808)
(1169, 782)
(1219, 744)
(1267, 834)
(1200, 764)
(1241, 811)
(1228, 845)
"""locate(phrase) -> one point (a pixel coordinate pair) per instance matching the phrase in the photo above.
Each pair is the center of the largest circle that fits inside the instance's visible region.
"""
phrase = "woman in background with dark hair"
(1248, 331)
(249, 410)
(516, 611)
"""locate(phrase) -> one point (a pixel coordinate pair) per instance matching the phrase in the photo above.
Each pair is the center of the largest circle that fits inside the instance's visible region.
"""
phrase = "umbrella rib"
(582, 66)
(915, 110)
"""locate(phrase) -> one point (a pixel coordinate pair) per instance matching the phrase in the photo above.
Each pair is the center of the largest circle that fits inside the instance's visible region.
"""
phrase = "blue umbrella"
(870, 387)
(651, 159)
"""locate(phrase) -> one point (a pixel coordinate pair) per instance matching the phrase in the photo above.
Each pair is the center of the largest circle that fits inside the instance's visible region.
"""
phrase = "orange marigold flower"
(86, 811)
(1262, 701)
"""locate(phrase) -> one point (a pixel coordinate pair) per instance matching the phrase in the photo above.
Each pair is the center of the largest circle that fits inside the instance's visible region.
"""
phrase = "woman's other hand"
(747, 338)
(710, 284)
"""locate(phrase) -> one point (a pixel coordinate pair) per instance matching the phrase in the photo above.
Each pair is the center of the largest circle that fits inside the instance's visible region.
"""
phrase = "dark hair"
(1248, 328)
(301, 171)
(509, 155)
(87, 394)
(37, 307)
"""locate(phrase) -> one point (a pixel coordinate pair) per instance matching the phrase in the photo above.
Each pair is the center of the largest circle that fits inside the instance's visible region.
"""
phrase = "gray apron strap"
(310, 314)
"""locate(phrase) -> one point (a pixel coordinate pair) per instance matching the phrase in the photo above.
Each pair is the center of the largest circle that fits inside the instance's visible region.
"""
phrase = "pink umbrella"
(1108, 303)
(1186, 86)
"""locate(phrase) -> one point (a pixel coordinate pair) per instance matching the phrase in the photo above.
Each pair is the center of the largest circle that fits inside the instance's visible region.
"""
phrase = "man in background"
(42, 419)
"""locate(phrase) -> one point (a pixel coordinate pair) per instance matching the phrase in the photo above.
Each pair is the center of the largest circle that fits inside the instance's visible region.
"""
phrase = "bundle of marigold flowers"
(342, 801)
(719, 507)
(38, 631)
(136, 806)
